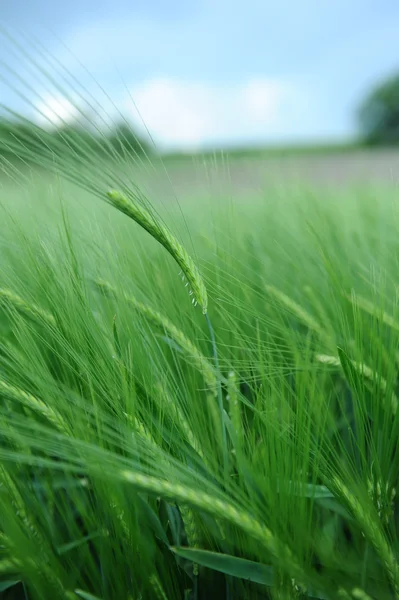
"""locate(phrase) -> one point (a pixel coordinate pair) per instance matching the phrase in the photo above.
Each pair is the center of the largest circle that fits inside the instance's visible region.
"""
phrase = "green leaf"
(230, 565)
(153, 520)
(236, 567)
(76, 543)
(307, 490)
(175, 522)
(335, 506)
(5, 585)
(86, 595)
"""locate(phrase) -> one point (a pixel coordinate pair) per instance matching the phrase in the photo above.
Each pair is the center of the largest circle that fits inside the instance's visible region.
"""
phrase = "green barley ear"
(36, 313)
(372, 531)
(360, 594)
(197, 359)
(157, 587)
(25, 399)
(191, 530)
(168, 241)
(360, 369)
(296, 309)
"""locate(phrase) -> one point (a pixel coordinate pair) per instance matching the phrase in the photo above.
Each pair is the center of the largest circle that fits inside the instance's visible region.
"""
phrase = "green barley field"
(199, 374)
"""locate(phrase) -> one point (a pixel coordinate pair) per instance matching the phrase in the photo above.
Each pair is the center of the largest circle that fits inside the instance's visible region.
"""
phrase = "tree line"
(20, 138)
(378, 114)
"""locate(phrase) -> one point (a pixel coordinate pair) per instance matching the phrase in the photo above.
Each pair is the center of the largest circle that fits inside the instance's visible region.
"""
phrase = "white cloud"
(56, 111)
(189, 114)
(186, 115)
(176, 112)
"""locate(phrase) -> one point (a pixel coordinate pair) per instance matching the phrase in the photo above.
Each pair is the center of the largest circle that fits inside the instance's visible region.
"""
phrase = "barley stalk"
(371, 309)
(29, 310)
(197, 359)
(157, 587)
(18, 395)
(159, 232)
(365, 372)
(177, 413)
(221, 509)
(39, 562)
(190, 529)
(297, 310)
(372, 532)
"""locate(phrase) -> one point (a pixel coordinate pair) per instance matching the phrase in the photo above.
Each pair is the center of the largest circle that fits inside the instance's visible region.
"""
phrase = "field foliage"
(150, 450)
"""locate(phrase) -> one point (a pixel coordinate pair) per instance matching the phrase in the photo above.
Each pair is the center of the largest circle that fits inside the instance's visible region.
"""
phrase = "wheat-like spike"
(40, 561)
(157, 587)
(16, 499)
(18, 395)
(190, 528)
(140, 429)
(326, 359)
(29, 310)
(196, 357)
(159, 232)
(296, 309)
(177, 414)
(356, 593)
(383, 497)
(360, 594)
(119, 515)
(372, 532)
(365, 372)
(372, 310)
(221, 509)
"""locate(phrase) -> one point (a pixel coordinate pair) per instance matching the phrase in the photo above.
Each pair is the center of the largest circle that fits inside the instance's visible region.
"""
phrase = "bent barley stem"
(36, 313)
(190, 272)
(159, 232)
(220, 397)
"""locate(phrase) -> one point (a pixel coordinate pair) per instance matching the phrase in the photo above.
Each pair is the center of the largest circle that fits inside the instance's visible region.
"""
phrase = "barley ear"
(36, 313)
(167, 240)
(197, 359)
(190, 527)
(157, 587)
(372, 531)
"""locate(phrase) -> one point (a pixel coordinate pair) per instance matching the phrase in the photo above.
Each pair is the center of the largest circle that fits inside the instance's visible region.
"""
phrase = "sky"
(206, 73)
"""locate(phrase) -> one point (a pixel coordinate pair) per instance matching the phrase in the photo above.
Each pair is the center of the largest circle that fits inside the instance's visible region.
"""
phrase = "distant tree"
(378, 115)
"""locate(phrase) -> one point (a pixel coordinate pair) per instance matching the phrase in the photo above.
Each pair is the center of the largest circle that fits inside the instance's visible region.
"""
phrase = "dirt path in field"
(254, 174)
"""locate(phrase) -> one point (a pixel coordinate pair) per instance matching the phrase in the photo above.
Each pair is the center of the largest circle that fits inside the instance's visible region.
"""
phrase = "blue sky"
(219, 72)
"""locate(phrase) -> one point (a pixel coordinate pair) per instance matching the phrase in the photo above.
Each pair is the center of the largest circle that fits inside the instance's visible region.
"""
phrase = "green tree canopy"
(379, 113)
(21, 138)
